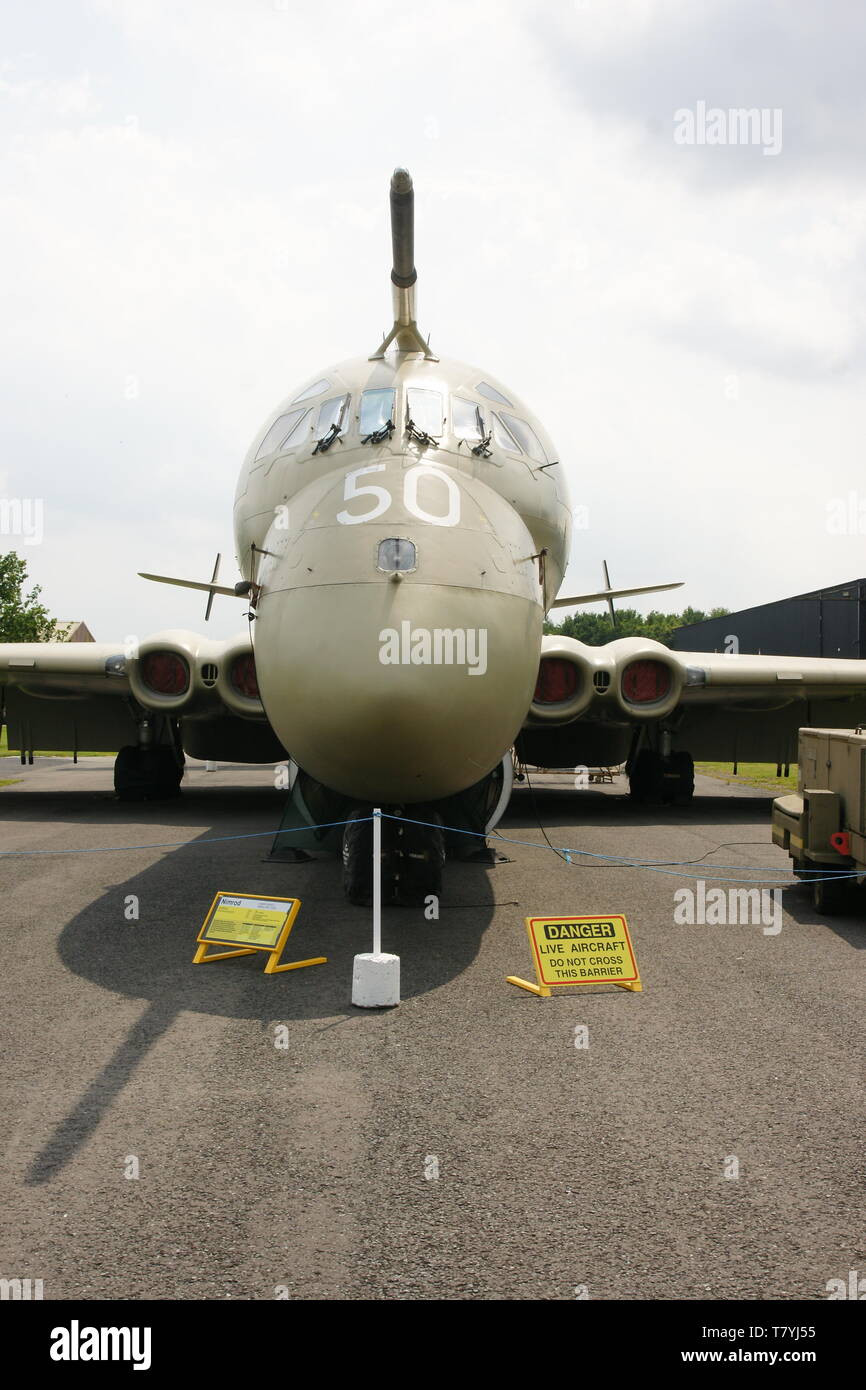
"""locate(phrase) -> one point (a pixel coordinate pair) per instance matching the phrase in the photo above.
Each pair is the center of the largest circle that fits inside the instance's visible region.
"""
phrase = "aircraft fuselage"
(401, 575)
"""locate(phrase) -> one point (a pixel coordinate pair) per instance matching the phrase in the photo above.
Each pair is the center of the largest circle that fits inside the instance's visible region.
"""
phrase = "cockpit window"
(526, 437)
(503, 436)
(298, 432)
(331, 413)
(316, 390)
(377, 408)
(424, 409)
(285, 433)
(466, 419)
(485, 389)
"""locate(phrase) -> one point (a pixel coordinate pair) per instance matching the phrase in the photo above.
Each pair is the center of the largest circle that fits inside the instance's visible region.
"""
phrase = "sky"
(194, 219)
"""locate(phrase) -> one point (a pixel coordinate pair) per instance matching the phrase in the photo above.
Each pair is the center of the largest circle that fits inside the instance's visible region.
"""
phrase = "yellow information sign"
(593, 950)
(250, 924)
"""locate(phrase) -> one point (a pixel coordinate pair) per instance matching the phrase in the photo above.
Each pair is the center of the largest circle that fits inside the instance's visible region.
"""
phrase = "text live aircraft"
(402, 528)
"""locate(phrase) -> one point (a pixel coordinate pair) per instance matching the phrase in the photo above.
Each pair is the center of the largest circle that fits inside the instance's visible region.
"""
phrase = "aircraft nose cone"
(396, 693)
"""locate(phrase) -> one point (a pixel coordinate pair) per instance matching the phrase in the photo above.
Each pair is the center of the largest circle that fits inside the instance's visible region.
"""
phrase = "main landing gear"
(658, 779)
(148, 771)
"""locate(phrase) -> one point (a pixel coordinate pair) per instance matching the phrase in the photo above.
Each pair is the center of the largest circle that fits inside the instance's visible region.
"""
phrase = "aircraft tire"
(147, 774)
(358, 857)
(412, 859)
(419, 854)
(680, 792)
(129, 782)
(167, 773)
(646, 779)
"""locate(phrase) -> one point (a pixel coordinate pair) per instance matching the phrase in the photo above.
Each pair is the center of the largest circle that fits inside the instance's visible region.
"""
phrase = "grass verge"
(759, 775)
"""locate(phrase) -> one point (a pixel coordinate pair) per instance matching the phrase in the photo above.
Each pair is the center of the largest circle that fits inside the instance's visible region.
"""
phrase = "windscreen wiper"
(420, 436)
(481, 449)
(324, 444)
(378, 436)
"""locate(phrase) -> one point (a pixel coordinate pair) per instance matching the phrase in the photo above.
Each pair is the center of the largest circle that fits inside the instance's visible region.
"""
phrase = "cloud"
(194, 219)
(62, 98)
(641, 61)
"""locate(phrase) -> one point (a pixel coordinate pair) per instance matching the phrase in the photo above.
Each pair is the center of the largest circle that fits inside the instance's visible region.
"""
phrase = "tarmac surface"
(707, 1143)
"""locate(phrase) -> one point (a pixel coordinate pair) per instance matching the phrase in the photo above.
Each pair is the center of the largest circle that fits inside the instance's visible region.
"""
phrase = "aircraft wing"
(718, 706)
(94, 696)
(715, 677)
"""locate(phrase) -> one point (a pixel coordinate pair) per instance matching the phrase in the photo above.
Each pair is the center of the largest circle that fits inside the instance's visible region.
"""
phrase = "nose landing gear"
(412, 857)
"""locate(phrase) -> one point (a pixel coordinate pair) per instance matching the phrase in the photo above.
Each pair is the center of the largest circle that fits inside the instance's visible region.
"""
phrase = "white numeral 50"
(351, 490)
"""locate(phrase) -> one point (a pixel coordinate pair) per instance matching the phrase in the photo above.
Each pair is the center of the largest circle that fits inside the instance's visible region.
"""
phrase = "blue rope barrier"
(669, 869)
(652, 865)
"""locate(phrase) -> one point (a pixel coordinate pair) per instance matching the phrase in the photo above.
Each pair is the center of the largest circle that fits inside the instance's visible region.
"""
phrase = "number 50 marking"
(383, 498)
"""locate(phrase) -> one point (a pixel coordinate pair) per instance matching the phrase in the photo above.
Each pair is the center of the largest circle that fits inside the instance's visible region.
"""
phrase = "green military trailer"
(823, 824)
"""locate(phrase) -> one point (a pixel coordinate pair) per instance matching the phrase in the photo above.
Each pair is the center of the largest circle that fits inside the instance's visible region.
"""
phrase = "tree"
(22, 617)
(595, 628)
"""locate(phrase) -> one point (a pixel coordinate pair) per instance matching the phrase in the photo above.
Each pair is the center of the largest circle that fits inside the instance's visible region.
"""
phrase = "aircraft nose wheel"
(412, 858)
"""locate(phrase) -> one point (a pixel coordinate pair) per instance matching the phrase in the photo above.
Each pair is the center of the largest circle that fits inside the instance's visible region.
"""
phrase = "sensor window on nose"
(396, 556)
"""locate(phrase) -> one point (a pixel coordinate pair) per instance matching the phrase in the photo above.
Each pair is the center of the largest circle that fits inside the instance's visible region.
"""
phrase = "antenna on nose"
(404, 334)
(403, 272)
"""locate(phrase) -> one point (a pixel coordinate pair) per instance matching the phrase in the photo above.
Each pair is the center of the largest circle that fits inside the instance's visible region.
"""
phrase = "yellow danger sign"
(250, 924)
(593, 950)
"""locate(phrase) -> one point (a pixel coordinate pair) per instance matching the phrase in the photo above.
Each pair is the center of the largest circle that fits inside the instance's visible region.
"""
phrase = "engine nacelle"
(237, 682)
(570, 674)
(638, 678)
(649, 679)
(180, 673)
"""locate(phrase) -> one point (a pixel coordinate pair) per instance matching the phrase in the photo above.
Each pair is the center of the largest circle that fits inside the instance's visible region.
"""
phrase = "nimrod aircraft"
(402, 528)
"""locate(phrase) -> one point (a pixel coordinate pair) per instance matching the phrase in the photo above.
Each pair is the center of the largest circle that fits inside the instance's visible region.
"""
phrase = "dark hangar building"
(827, 622)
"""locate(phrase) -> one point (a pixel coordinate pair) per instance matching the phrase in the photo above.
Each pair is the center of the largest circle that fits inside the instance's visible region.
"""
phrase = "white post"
(376, 975)
(377, 882)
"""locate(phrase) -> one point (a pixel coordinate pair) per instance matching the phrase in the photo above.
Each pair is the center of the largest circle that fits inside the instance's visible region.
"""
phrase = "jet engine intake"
(161, 673)
(178, 672)
(564, 688)
(649, 681)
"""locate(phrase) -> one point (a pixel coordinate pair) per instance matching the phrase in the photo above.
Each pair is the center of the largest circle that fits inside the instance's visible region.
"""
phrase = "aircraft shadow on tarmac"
(99, 806)
(151, 959)
(614, 806)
